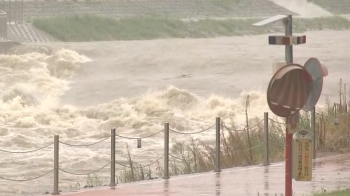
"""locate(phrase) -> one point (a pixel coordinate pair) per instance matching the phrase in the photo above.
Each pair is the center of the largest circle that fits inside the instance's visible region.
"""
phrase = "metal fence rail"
(219, 127)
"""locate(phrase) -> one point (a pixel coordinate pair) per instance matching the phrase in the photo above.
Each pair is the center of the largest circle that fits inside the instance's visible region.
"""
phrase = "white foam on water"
(31, 112)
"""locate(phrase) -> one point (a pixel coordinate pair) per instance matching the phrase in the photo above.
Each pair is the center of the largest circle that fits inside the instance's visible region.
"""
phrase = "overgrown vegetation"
(243, 146)
(96, 28)
(345, 192)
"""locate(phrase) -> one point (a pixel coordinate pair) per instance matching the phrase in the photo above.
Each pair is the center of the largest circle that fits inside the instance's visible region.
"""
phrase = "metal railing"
(219, 127)
(14, 10)
(3, 25)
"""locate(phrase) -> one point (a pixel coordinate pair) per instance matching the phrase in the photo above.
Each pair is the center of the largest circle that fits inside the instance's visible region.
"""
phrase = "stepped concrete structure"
(173, 8)
(304, 8)
(337, 7)
(27, 33)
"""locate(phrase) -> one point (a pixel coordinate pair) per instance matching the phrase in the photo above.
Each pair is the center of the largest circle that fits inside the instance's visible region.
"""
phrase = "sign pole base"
(288, 159)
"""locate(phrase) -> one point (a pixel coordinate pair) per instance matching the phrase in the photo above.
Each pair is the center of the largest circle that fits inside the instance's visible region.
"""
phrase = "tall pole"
(166, 151)
(56, 165)
(313, 129)
(10, 11)
(266, 132)
(217, 146)
(112, 185)
(22, 10)
(289, 136)
(15, 11)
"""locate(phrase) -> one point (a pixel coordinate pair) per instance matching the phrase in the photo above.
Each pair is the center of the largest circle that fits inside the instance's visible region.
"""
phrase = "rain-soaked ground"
(329, 173)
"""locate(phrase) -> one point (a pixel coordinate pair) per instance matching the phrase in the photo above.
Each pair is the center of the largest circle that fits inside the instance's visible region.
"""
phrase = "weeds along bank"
(244, 146)
(240, 146)
(342, 192)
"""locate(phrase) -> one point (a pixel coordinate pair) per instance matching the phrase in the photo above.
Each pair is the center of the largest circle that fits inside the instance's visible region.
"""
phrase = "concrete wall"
(5, 46)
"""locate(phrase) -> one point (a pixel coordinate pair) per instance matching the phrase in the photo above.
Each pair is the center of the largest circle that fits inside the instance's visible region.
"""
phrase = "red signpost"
(287, 93)
(291, 87)
(288, 154)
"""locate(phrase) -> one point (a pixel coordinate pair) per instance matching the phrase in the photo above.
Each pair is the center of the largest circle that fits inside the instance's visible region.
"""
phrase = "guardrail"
(219, 127)
(3, 25)
(14, 10)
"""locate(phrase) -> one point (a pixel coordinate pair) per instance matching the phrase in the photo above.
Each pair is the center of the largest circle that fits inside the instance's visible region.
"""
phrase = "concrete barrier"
(6, 45)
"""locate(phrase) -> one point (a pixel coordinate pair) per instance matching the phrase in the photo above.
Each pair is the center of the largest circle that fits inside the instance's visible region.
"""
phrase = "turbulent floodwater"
(82, 90)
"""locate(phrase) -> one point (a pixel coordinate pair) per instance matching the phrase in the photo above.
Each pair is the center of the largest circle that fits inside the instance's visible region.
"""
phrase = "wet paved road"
(329, 173)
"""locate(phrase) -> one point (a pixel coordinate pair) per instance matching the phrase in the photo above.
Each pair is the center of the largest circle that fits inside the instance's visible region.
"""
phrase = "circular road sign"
(288, 90)
(317, 71)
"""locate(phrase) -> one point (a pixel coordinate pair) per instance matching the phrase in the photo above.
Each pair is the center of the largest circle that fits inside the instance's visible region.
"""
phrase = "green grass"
(335, 193)
(229, 3)
(95, 28)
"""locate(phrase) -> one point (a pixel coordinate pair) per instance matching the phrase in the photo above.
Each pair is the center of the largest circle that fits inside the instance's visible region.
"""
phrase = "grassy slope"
(94, 28)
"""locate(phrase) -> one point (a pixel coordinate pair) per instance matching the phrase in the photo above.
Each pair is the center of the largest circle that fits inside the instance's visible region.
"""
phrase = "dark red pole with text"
(288, 158)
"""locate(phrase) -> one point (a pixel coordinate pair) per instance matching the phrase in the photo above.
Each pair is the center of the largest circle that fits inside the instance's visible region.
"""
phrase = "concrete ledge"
(6, 45)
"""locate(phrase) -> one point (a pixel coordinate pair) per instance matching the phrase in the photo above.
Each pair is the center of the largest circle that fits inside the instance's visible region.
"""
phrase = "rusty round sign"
(317, 71)
(289, 89)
